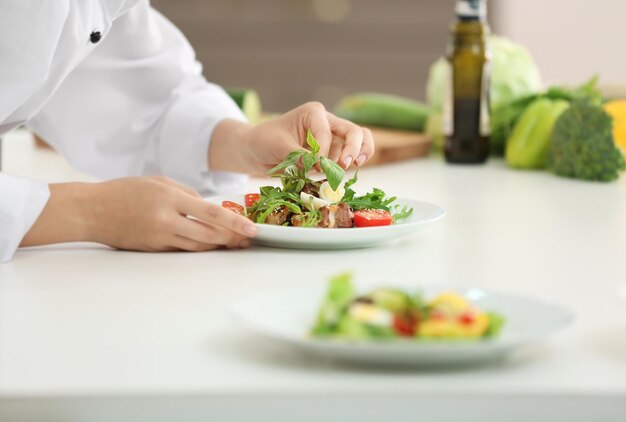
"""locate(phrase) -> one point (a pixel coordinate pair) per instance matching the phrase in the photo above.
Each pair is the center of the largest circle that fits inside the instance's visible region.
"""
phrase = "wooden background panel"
(293, 51)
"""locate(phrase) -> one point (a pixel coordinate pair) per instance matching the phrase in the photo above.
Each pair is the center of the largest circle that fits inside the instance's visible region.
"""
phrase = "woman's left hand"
(256, 149)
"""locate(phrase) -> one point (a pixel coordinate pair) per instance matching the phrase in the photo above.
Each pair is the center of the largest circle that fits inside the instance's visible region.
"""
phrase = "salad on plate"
(390, 313)
(325, 203)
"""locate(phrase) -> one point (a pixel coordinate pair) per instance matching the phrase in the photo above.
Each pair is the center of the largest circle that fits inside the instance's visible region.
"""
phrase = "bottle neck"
(471, 10)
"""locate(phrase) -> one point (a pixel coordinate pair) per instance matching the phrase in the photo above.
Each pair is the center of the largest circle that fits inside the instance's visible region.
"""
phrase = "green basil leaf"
(292, 170)
(333, 172)
(308, 161)
(313, 144)
(291, 159)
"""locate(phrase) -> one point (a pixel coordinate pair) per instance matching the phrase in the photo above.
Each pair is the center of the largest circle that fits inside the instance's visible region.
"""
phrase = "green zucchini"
(373, 109)
(248, 101)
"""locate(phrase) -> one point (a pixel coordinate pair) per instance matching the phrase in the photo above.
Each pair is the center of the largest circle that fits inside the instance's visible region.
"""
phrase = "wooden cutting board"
(398, 145)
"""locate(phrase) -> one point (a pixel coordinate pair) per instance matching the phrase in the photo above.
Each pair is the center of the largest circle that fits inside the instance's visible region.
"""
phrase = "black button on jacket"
(95, 36)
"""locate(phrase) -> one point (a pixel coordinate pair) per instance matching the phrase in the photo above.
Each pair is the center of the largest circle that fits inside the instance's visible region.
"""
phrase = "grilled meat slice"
(278, 216)
(296, 220)
(344, 217)
(312, 189)
(328, 218)
(338, 216)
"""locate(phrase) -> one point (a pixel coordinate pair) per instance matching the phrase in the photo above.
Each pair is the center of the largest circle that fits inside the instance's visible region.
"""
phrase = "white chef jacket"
(113, 86)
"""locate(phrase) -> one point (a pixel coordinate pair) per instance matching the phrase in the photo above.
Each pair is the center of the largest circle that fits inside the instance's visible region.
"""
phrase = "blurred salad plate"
(390, 326)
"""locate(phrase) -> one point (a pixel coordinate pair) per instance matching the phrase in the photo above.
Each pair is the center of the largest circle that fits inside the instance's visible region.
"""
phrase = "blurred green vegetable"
(504, 117)
(496, 322)
(351, 329)
(340, 294)
(514, 75)
(383, 110)
(583, 146)
(528, 145)
(434, 130)
(393, 300)
(248, 101)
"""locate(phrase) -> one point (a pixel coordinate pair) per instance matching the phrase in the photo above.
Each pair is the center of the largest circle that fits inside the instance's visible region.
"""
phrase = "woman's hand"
(138, 213)
(255, 149)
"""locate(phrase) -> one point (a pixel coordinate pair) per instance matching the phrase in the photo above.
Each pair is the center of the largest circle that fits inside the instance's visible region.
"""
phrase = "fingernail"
(244, 243)
(250, 229)
(347, 161)
(360, 160)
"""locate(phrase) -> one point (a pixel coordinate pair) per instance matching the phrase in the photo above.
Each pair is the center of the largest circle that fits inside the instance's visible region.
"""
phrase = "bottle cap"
(471, 9)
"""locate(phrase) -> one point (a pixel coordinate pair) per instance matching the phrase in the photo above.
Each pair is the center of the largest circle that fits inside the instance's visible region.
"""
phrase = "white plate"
(286, 316)
(424, 213)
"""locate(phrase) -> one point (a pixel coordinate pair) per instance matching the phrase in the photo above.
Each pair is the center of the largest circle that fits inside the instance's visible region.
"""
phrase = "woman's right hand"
(138, 213)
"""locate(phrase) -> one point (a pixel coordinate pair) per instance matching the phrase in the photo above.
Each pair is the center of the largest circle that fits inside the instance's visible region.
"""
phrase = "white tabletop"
(86, 330)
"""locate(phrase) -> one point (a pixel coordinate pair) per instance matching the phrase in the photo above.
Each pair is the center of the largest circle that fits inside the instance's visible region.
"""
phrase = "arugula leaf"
(334, 173)
(293, 179)
(377, 199)
(352, 181)
(312, 142)
(271, 199)
(349, 192)
(291, 159)
(268, 190)
(311, 218)
(404, 212)
(271, 206)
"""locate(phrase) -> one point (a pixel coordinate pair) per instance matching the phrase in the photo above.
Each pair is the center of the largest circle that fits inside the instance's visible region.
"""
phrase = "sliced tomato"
(370, 218)
(404, 325)
(252, 198)
(467, 318)
(233, 206)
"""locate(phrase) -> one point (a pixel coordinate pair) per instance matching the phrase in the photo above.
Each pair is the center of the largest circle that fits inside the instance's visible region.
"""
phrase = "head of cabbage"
(514, 74)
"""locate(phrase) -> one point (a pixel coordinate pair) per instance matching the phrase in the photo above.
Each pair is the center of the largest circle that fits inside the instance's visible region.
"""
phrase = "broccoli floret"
(582, 145)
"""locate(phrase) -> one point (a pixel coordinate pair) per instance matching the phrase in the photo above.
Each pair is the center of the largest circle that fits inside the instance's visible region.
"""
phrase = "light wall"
(293, 51)
(570, 39)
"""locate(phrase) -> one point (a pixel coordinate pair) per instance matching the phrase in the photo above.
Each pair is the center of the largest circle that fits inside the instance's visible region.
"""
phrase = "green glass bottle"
(466, 108)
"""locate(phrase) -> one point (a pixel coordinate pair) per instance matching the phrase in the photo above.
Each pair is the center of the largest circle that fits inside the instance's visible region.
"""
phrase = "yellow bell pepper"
(617, 110)
(451, 300)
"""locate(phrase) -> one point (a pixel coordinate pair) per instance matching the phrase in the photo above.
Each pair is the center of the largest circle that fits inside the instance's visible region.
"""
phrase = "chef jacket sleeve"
(138, 105)
(21, 202)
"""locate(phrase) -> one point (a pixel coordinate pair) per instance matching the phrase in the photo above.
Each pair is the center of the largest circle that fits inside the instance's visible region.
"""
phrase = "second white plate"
(286, 316)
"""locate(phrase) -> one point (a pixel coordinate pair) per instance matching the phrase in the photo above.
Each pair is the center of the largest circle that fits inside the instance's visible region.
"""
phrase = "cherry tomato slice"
(467, 318)
(233, 206)
(404, 325)
(371, 218)
(252, 198)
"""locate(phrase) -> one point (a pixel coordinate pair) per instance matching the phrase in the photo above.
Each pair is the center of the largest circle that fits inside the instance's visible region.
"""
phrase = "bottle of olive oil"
(466, 107)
